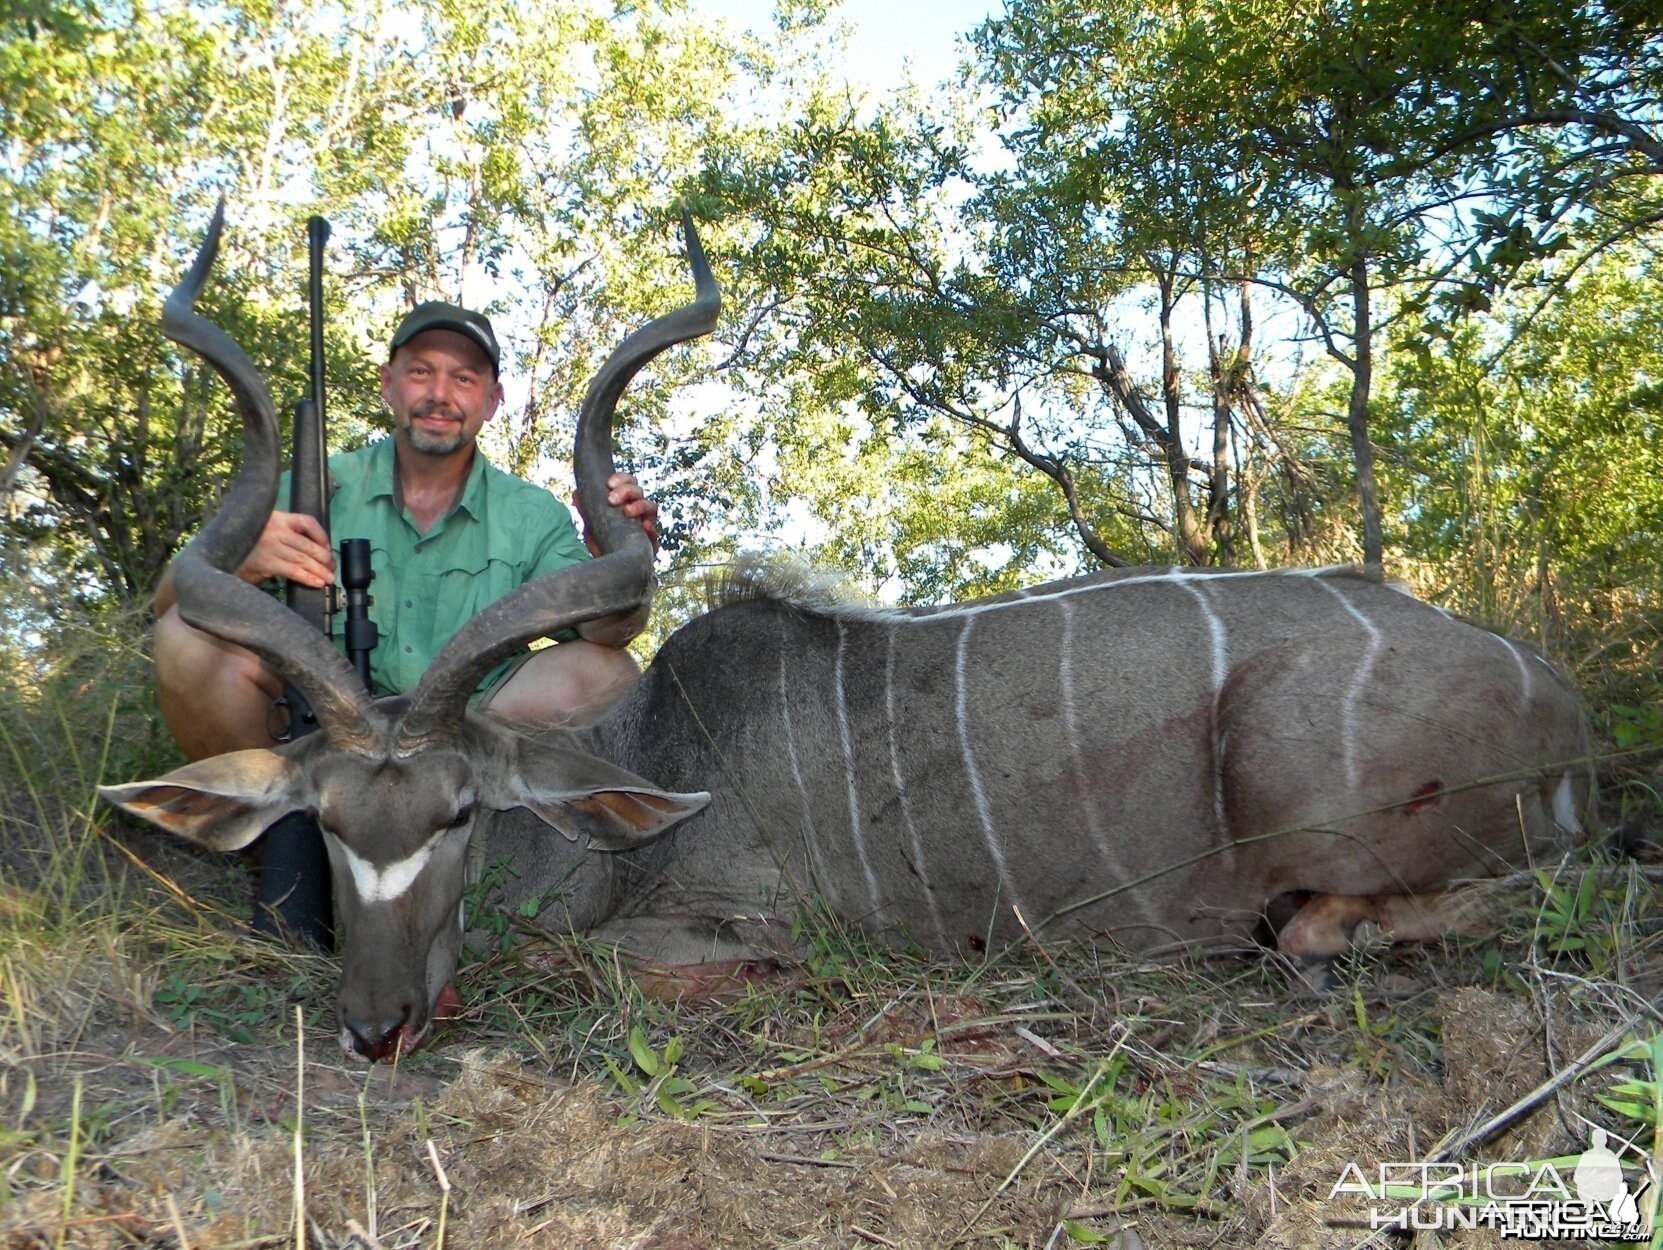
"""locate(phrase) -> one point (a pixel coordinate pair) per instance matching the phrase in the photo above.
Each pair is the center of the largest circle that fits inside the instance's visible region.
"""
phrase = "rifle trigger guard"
(280, 730)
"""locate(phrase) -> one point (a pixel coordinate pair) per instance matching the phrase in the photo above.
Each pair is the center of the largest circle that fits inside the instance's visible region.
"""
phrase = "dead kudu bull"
(1146, 756)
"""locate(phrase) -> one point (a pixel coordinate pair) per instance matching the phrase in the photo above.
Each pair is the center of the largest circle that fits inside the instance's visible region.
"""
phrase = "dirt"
(495, 1152)
(876, 1106)
(528, 1161)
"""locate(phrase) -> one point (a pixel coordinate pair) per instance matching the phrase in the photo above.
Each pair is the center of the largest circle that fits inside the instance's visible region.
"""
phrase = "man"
(449, 534)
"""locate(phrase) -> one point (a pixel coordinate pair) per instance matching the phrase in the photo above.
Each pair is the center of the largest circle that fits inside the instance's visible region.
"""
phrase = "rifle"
(293, 892)
(308, 487)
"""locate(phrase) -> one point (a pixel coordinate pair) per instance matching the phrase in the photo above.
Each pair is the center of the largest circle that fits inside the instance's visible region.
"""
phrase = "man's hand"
(623, 491)
(293, 545)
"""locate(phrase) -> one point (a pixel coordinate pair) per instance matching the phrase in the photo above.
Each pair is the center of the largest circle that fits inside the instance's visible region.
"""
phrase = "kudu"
(1146, 756)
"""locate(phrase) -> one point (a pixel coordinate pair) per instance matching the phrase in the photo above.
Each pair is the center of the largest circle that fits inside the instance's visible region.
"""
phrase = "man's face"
(441, 391)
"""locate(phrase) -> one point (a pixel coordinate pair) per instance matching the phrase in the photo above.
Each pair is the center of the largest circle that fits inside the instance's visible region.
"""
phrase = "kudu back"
(1149, 757)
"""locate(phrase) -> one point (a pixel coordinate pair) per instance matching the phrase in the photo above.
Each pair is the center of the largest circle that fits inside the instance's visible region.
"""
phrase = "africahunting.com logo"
(1586, 1197)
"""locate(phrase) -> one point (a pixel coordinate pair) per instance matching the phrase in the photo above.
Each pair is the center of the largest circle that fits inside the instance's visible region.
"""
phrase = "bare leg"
(215, 696)
(558, 684)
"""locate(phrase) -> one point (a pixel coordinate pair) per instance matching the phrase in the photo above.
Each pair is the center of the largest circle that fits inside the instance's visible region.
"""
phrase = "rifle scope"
(361, 632)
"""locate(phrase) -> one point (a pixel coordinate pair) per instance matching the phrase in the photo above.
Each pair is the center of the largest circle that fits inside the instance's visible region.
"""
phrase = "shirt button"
(409, 603)
(407, 651)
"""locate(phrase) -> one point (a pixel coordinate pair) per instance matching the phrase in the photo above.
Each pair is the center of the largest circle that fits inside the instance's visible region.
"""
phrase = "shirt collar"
(384, 464)
(381, 470)
(473, 490)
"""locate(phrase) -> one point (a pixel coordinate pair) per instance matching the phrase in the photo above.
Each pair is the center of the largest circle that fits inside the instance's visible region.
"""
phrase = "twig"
(854, 1048)
(189, 902)
(1534, 1098)
(1076, 1109)
(1092, 1004)
(299, 1121)
(444, 1193)
(866, 1234)
(808, 1161)
(178, 1224)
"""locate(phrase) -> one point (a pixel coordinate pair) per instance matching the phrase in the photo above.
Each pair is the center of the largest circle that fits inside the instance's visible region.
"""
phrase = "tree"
(453, 146)
(1331, 154)
(1534, 483)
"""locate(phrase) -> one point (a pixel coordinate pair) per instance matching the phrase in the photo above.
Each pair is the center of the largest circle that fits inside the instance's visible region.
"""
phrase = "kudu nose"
(375, 1040)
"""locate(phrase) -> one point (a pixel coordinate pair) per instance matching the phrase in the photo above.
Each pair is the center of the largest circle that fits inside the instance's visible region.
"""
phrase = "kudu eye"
(461, 818)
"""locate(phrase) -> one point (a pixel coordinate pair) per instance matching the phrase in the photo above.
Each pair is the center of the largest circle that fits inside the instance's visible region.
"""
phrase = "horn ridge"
(592, 461)
(210, 597)
(616, 582)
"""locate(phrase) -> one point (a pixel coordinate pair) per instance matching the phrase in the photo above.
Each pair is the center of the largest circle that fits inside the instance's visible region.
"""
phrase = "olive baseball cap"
(438, 315)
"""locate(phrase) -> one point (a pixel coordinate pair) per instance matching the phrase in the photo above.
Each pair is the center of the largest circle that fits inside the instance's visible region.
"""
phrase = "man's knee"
(573, 679)
(215, 696)
(187, 656)
(610, 666)
(603, 673)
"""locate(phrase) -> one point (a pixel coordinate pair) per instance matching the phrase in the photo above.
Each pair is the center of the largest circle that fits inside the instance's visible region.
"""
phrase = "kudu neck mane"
(788, 580)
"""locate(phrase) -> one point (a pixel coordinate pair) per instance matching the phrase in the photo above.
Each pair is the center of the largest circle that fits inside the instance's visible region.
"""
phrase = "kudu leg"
(1328, 925)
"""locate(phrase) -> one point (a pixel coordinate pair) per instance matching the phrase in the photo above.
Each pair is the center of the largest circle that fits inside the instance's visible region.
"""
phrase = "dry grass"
(166, 1081)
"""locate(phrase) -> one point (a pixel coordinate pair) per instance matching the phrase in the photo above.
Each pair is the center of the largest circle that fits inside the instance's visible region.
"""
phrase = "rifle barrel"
(317, 235)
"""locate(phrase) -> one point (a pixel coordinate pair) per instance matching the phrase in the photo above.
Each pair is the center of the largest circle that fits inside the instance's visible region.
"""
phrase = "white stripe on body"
(849, 778)
(1564, 806)
(796, 767)
(901, 794)
(1358, 680)
(1519, 658)
(1088, 794)
(983, 811)
(1221, 669)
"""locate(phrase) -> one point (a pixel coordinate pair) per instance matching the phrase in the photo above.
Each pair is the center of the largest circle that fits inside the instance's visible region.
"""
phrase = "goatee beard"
(434, 444)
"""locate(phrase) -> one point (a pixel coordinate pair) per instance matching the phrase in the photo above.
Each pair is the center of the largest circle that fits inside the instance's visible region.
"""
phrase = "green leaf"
(643, 1054)
(190, 1067)
(626, 1082)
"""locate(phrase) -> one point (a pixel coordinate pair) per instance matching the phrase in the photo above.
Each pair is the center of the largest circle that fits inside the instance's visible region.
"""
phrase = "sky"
(887, 37)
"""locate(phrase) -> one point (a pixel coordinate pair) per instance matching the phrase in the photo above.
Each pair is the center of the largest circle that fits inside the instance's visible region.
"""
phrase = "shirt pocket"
(464, 589)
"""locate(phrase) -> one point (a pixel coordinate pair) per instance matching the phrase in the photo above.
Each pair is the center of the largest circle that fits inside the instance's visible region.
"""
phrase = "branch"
(1063, 476)
(1053, 467)
(750, 328)
(1639, 138)
(21, 443)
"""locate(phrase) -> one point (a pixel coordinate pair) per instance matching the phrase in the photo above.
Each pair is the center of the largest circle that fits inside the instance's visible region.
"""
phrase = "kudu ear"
(579, 794)
(222, 803)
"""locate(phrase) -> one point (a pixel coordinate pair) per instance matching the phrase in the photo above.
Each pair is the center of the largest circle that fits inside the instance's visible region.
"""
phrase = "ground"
(159, 1092)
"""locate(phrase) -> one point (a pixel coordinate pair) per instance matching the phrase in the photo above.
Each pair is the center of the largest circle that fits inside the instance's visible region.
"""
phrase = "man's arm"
(293, 545)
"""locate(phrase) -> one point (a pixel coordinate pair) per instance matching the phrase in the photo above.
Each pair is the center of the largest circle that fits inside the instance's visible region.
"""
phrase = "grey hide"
(1146, 755)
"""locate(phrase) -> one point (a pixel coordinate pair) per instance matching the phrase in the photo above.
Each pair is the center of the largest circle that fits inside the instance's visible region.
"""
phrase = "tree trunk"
(1223, 369)
(1357, 419)
(1191, 542)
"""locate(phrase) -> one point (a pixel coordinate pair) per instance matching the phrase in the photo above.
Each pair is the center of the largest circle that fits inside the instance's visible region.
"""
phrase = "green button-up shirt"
(501, 533)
